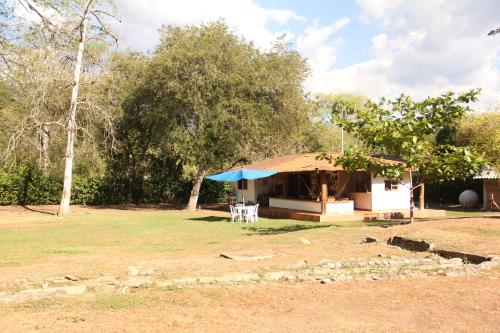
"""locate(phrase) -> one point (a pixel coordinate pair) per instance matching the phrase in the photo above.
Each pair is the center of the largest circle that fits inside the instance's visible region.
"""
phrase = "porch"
(357, 215)
(324, 193)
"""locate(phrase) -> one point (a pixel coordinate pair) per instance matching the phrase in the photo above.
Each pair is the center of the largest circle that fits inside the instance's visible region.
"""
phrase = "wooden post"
(421, 204)
(285, 185)
(324, 194)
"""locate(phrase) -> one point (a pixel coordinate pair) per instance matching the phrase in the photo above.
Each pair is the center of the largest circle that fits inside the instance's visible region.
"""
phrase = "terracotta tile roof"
(295, 163)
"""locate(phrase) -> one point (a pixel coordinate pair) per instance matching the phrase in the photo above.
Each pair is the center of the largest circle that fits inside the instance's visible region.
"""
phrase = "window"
(391, 185)
(242, 184)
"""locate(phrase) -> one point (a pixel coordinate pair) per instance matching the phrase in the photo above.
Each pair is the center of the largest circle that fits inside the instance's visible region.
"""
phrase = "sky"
(371, 47)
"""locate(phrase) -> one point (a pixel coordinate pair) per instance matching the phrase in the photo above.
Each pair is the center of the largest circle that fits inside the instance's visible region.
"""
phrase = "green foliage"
(324, 133)
(403, 129)
(481, 131)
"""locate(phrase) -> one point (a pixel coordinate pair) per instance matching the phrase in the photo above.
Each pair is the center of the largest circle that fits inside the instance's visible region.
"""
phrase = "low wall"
(308, 206)
(344, 206)
(313, 206)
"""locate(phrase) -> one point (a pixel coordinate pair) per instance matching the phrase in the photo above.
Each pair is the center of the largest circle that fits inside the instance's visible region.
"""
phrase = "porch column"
(285, 185)
(324, 194)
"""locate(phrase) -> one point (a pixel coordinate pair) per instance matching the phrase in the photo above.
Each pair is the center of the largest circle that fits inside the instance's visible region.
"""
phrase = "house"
(491, 187)
(304, 184)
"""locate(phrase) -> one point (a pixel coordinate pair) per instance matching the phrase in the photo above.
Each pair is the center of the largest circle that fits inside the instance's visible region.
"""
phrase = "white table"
(243, 210)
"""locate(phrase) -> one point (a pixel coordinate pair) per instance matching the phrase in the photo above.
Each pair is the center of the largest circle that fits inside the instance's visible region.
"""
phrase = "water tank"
(468, 199)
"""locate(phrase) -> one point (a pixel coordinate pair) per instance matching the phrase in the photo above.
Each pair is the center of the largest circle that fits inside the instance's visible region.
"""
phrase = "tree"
(482, 133)
(66, 24)
(330, 136)
(403, 130)
(212, 100)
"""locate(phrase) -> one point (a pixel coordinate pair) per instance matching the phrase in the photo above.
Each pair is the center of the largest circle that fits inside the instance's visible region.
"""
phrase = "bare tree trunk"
(195, 191)
(45, 149)
(71, 129)
(412, 205)
(421, 199)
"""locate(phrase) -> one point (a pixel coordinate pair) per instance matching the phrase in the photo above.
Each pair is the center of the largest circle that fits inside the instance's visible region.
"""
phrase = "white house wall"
(254, 189)
(383, 200)
(249, 193)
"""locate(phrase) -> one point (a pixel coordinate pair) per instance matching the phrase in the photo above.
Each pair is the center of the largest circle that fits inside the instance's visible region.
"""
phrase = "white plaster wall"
(383, 200)
(249, 193)
(362, 200)
(339, 207)
(309, 206)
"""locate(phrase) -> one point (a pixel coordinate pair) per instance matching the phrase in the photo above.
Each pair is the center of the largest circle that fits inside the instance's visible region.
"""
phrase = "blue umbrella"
(235, 175)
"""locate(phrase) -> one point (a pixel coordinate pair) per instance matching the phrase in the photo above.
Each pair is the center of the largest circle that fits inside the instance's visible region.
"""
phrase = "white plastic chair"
(249, 214)
(256, 212)
(235, 214)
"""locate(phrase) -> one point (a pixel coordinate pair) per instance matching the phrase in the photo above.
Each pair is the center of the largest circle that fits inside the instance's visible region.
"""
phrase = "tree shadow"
(38, 210)
(139, 207)
(281, 229)
(210, 219)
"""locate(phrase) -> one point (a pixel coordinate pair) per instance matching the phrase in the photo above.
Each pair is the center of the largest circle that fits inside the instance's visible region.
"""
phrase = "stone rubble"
(325, 272)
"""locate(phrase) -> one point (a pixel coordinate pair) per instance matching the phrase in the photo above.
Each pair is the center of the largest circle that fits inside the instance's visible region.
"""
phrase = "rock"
(304, 241)
(451, 273)
(368, 239)
(456, 261)
(133, 271)
(134, 284)
(410, 244)
(236, 257)
(75, 290)
(325, 281)
(107, 280)
(45, 285)
(124, 290)
(71, 277)
(274, 276)
(466, 257)
(146, 271)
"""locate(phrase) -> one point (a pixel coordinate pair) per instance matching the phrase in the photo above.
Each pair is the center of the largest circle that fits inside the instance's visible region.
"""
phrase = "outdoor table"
(243, 209)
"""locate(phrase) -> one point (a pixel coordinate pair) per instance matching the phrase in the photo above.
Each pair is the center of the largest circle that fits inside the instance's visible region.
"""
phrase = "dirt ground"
(437, 304)
(440, 304)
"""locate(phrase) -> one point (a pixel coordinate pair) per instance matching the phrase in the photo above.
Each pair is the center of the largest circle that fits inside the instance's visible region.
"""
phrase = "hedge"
(27, 186)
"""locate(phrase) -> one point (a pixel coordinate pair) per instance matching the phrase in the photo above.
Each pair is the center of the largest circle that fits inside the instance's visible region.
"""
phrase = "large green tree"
(328, 135)
(212, 100)
(403, 129)
(481, 131)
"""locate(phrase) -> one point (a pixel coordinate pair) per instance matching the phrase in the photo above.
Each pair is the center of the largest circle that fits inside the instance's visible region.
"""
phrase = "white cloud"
(442, 45)
(316, 45)
(142, 18)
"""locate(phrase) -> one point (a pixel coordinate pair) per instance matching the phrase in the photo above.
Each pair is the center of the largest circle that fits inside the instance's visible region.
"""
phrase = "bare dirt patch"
(439, 304)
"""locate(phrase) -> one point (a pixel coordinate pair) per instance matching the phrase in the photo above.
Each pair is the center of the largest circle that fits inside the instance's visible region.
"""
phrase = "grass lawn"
(39, 237)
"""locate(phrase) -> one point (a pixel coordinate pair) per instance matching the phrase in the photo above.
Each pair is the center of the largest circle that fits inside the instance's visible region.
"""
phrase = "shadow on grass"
(210, 219)
(38, 210)
(282, 229)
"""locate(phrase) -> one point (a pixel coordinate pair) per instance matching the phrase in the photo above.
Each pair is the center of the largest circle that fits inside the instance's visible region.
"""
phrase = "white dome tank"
(468, 199)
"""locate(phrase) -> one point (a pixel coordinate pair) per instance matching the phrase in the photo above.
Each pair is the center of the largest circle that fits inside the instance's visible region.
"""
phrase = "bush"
(28, 186)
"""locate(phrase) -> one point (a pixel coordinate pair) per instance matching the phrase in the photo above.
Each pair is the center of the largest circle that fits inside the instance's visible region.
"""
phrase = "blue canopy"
(235, 175)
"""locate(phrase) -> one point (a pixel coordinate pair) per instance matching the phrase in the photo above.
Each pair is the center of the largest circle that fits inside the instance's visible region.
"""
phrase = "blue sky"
(370, 47)
(355, 36)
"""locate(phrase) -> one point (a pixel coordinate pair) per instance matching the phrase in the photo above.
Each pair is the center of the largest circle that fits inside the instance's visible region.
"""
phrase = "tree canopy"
(211, 99)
